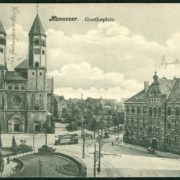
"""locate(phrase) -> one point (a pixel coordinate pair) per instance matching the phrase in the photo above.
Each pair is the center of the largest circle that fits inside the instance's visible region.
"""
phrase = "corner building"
(152, 116)
(23, 92)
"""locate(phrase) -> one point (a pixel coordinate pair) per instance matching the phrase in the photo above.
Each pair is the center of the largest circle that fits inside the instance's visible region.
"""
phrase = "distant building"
(152, 116)
(25, 93)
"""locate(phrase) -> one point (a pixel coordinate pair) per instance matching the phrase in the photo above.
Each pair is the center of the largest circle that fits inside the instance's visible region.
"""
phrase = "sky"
(108, 60)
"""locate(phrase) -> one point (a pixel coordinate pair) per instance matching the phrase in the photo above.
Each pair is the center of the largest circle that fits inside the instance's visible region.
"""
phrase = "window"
(150, 111)
(43, 52)
(40, 73)
(127, 109)
(144, 109)
(1, 50)
(169, 111)
(150, 129)
(43, 42)
(159, 112)
(36, 42)
(167, 139)
(32, 73)
(138, 110)
(10, 87)
(36, 51)
(2, 41)
(133, 110)
(22, 87)
(155, 111)
(169, 125)
(36, 64)
(16, 87)
(175, 140)
(177, 111)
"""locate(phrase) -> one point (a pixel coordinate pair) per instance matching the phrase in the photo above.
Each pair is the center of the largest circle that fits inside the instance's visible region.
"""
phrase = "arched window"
(169, 111)
(177, 111)
(36, 41)
(159, 111)
(155, 111)
(36, 64)
(133, 110)
(150, 111)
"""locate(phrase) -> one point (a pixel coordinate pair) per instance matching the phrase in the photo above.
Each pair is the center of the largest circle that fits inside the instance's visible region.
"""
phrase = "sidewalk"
(159, 153)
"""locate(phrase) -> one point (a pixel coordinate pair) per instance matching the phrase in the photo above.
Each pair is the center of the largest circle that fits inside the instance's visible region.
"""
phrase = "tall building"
(152, 116)
(24, 92)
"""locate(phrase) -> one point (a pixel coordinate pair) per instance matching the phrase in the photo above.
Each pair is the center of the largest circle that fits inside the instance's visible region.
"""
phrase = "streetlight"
(84, 139)
(95, 159)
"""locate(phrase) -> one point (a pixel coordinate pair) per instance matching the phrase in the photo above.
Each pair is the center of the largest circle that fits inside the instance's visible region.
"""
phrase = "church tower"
(37, 91)
(2, 55)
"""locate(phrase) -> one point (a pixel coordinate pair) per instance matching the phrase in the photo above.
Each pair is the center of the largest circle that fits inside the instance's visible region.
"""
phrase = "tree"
(14, 144)
(1, 163)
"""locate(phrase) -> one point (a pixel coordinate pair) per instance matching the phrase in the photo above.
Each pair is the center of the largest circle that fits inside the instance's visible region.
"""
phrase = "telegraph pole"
(100, 139)
(46, 133)
(40, 168)
(95, 160)
(84, 140)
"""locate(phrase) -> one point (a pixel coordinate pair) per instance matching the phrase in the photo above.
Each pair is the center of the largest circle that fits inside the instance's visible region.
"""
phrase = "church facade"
(26, 91)
(152, 116)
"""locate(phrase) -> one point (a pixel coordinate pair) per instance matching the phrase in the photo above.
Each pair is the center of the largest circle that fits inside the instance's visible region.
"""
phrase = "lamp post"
(95, 160)
(84, 140)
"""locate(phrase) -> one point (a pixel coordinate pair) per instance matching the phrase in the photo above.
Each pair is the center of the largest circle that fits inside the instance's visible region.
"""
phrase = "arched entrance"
(154, 143)
(16, 124)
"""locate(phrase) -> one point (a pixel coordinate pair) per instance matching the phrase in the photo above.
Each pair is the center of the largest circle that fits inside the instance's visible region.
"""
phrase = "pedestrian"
(8, 160)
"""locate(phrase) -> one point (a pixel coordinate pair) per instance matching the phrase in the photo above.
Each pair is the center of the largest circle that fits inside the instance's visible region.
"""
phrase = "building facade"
(152, 116)
(24, 96)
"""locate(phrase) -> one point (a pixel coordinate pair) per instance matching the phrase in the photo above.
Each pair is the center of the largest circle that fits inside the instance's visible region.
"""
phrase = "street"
(117, 160)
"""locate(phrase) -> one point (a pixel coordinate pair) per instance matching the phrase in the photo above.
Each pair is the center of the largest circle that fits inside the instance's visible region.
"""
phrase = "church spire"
(37, 27)
(2, 31)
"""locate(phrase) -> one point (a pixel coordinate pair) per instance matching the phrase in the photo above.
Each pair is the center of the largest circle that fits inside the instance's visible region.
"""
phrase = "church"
(26, 95)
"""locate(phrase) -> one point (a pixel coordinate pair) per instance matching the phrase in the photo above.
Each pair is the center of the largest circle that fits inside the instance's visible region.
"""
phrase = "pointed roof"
(175, 93)
(2, 31)
(37, 27)
(22, 65)
(167, 87)
(139, 97)
(14, 76)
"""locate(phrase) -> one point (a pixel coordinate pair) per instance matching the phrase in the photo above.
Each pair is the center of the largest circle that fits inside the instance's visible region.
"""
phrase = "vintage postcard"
(89, 90)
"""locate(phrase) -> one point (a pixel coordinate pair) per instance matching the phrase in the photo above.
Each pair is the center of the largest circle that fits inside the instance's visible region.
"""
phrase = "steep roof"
(166, 87)
(22, 65)
(175, 93)
(2, 31)
(14, 76)
(139, 97)
(37, 27)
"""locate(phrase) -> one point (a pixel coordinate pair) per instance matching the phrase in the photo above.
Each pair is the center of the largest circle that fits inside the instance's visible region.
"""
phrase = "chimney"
(146, 85)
